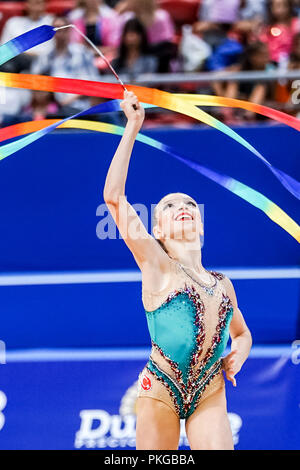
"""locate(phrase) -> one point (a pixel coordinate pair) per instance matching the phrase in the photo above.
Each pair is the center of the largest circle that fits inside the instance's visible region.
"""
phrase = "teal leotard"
(187, 344)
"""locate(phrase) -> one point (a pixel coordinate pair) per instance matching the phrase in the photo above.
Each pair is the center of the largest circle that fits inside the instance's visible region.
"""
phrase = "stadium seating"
(182, 11)
(9, 9)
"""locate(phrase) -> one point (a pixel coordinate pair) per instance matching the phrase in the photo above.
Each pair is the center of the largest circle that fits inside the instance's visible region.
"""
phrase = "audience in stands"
(255, 58)
(42, 106)
(280, 30)
(252, 9)
(12, 103)
(91, 19)
(295, 54)
(139, 36)
(35, 16)
(68, 60)
(158, 24)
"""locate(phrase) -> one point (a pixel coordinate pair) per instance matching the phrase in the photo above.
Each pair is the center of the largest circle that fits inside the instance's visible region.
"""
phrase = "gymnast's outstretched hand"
(231, 365)
(133, 110)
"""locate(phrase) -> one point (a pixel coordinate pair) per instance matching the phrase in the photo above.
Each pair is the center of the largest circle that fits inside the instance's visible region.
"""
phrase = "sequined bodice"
(189, 330)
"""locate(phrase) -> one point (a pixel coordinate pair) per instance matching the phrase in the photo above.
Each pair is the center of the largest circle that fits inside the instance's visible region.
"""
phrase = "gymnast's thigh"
(208, 428)
(157, 426)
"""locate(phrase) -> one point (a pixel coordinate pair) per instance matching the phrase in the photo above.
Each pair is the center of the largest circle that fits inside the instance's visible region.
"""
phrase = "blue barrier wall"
(91, 404)
(111, 314)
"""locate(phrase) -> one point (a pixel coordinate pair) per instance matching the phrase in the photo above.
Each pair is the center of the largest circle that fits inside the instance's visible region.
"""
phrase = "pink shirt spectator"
(51, 108)
(162, 28)
(107, 17)
(279, 38)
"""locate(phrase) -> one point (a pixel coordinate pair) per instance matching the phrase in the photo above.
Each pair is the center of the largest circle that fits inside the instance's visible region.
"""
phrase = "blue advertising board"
(86, 400)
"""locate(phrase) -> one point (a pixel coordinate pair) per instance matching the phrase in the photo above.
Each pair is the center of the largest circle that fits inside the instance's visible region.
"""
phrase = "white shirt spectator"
(18, 25)
(76, 62)
(229, 11)
(219, 11)
(253, 9)
(12, 101)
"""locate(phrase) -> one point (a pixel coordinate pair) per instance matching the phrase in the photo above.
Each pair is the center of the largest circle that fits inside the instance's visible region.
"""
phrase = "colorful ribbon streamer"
(25, 41)
(26, 128)
(151, 96)
(208, 100)
(253, 197)
(184, 104)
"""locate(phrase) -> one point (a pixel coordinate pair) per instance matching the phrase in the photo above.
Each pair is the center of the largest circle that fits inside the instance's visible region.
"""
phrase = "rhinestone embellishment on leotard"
(186, 389)
(224, 309)
(187, 386)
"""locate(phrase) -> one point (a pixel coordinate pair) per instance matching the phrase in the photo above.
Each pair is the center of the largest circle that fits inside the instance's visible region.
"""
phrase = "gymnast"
(190, 312)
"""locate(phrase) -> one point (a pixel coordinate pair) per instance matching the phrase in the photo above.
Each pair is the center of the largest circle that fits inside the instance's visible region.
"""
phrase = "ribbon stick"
(253, 197)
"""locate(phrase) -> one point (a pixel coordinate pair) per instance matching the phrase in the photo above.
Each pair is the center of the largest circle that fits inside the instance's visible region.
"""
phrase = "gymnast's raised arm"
(144, 247)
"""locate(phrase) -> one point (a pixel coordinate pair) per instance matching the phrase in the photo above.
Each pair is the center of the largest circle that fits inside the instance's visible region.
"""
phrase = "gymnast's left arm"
(241, 338)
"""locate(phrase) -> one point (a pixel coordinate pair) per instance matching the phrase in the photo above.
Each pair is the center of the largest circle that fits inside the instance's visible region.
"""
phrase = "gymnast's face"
(177, 216)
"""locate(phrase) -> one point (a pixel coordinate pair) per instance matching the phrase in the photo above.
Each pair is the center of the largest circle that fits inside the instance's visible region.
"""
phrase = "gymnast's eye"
(192, 203)
(168, 205)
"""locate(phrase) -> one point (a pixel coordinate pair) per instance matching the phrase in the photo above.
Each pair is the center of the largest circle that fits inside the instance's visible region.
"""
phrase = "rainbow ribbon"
(155, 97)
(148, 95)
(253, 197)
(180, 103)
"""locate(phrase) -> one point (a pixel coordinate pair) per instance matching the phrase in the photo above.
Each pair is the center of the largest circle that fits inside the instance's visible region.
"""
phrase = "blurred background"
(73, 331)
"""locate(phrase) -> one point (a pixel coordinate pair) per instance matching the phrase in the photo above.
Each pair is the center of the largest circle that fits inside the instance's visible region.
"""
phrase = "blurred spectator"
(219, 11)
(134, 57)
(67, 60)
(112, 3)
(90, 19)
(256, 58)
(295, 55)
(42, 106)
(216, 19)
(36, 16)
(296, 5)
(159, 26)
(252, 15)
(285, 89)
(193, 49)
(252, 9)
(280, 30)
(239, 17)
(225, 55)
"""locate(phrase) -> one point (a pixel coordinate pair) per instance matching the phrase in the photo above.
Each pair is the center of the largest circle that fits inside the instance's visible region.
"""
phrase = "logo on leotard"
(146, 383)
